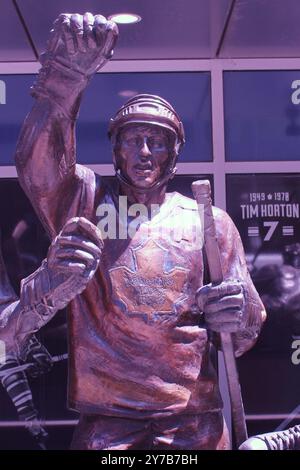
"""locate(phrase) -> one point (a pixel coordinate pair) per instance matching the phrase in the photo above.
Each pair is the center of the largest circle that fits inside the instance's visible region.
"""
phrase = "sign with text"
(265, 209)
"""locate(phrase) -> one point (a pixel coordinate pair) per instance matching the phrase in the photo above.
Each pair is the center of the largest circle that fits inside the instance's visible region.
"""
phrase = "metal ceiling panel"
(169, 29)
(263, 28)
(14, 45)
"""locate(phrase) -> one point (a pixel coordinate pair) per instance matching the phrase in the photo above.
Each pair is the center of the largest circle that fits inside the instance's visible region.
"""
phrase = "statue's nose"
(145, 151)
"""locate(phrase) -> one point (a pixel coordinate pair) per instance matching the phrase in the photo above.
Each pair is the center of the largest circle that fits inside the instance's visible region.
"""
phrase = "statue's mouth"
(143, 170)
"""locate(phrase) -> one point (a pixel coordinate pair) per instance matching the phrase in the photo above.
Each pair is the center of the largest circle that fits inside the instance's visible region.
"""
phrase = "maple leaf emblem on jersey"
(154, 285)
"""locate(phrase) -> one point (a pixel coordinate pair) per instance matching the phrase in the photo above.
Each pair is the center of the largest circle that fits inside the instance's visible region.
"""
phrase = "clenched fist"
(78, 46)
(82, 43)
(76, 251)
(72, 261)
(73, 258)
(223, 306)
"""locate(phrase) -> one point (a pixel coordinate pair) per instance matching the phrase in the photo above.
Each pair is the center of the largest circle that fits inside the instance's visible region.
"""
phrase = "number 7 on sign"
(272, 227)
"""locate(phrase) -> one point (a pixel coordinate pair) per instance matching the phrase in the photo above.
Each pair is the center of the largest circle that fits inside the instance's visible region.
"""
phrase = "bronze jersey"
(136, 345)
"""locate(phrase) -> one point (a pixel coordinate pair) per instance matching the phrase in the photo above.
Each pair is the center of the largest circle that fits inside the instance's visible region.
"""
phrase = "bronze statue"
(140, 371)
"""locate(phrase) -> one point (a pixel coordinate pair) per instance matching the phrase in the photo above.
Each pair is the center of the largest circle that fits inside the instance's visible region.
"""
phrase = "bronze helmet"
(148, 109)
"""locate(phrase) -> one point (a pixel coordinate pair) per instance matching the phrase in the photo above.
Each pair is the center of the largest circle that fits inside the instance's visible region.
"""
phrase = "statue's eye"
(139, 142)
(154, 143)
(157, 144)
(134, 142)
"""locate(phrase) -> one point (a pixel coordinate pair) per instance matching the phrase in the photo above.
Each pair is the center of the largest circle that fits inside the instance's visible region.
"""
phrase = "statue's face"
(143, 153)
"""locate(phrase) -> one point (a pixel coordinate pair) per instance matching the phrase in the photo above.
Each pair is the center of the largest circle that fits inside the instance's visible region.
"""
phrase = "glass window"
(188, 92)
(262, 115)
(15, 103)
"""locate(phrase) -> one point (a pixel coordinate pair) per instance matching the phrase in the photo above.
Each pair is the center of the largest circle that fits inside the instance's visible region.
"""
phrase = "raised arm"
(46, 151)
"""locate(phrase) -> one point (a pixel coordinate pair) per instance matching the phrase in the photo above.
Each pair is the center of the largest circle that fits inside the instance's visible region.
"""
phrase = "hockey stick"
(202, 194)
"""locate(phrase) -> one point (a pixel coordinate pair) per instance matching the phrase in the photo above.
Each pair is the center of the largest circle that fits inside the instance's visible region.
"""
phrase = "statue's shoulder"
(83, 173)
(226, 229)
(179, 200)
(89, 179)
(222, 218)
